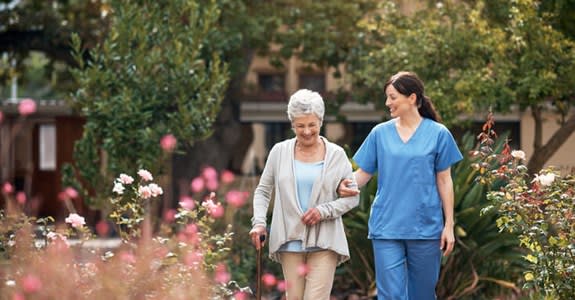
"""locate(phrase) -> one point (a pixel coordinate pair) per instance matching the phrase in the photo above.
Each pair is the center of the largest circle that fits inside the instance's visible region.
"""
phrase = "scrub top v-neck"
(407, 204)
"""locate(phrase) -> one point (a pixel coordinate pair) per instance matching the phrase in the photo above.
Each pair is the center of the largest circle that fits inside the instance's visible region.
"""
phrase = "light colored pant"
(317, 283)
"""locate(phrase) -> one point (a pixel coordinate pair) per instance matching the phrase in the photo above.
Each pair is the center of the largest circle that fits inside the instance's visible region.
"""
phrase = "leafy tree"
(153, 74)
(471, 57)
(44, 27)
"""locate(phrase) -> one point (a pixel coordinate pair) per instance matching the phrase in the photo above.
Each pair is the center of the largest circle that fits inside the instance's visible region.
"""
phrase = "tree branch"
(542, 153)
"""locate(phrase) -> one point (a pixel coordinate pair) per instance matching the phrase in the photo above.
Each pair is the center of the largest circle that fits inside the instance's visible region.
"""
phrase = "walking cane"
(259, 269)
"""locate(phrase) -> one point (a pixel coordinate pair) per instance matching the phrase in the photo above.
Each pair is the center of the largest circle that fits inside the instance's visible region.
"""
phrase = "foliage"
(471, 59)
(466, 273)
(540, 209)
(183, 260)
(151, 76)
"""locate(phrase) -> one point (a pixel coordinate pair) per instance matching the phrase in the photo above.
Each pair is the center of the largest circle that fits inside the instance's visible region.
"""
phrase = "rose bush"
(182, 258)
(540, 208)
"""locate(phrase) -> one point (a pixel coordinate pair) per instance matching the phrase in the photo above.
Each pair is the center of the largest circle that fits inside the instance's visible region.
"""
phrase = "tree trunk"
(542, 153)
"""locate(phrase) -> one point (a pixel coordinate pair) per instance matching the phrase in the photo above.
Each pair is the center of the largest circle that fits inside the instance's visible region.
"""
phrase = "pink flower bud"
(197, 184)
(269, 279)
(21, 198)
(236, 198)
(209, 173)
(27, 107)
(187, 203)
(170, 215)
(71, 192)
(8, 188)
(168, 142)
(227, 176)
(102, 228)
(31, 284)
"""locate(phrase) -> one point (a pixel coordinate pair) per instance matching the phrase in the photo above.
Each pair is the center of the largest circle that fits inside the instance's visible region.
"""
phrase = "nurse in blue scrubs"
(411, 220)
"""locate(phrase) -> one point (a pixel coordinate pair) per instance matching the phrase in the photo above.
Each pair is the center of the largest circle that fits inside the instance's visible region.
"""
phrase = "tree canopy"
(473, 54)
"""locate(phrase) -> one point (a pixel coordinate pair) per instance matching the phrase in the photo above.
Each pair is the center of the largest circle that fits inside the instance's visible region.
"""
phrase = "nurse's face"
(306, 128)
(398, 103)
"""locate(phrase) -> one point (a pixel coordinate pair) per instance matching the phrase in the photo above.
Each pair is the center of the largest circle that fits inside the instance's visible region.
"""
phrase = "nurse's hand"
(311, 216)
(255, 234)
(447, 240)
(347, 188)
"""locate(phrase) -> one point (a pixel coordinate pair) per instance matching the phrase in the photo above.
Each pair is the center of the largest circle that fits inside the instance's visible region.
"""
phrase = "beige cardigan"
(278, 177)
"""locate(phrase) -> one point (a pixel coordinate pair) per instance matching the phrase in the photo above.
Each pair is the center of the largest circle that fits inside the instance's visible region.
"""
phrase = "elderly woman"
(306, 231)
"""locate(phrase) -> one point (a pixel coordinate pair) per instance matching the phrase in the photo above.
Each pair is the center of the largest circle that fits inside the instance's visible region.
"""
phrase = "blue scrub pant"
(406, 269)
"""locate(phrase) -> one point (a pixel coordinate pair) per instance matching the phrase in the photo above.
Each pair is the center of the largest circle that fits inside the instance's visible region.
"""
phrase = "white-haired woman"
(307, 235)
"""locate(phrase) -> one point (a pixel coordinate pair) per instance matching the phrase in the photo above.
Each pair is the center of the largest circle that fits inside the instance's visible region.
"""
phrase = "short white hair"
(305, 102)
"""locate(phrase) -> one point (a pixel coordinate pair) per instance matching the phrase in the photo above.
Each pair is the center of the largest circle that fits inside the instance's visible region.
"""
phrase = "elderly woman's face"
(306, 128)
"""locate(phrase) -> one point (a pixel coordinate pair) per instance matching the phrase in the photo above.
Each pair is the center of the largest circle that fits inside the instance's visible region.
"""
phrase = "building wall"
(564, 158)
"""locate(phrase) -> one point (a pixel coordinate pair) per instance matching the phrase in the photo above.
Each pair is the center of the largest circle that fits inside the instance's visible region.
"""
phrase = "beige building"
(267, 92)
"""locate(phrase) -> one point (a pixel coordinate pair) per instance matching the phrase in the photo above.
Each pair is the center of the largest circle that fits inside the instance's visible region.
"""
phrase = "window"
(276, 132)
(314, 82)
(47, 144)
(270, 83)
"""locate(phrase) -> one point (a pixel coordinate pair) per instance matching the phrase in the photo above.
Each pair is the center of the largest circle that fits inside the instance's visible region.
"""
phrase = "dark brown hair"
(407, 83)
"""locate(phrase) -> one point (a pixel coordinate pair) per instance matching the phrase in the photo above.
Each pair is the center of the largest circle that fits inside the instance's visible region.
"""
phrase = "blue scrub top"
(407, 203)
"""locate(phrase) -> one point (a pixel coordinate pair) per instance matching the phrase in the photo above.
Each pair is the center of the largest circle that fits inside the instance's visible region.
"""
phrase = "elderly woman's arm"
(262, 197)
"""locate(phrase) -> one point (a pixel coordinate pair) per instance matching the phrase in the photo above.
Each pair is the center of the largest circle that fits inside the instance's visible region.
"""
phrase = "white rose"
(118, 188)
(518, 154)
(545, 179)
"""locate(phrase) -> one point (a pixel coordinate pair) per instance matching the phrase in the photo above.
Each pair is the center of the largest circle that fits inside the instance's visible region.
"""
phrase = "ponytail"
(426, 108)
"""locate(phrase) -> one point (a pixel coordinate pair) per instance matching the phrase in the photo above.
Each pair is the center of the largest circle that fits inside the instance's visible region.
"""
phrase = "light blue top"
(407, 204)
(305, 176)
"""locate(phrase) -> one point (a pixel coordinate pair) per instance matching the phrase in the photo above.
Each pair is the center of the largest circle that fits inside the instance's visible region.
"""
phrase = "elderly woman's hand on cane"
(258, 235)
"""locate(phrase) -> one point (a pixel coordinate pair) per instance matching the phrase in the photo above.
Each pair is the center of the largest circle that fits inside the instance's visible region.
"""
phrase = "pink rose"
(282, 286)
(71, 192)
(102, 228)
(168, 142)
(75, 220)
(31, 284)
(197, 184)
(155, 189)
(227, 176)
(269, 280)
(241, 296)
(222, 275)
(145, 192)
(236, 198)
(125, 179)
(146, 175)
(209, 173)
(170, 215)
(8, 188)
(212, 184)
(21, 198)
(187, 203)
(27, 107)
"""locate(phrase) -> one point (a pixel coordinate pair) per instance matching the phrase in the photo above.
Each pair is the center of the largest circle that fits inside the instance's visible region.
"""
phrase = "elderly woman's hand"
(311, 217)
(256, 233)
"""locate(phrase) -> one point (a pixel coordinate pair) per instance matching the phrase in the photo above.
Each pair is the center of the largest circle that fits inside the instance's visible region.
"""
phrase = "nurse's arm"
(445, 189)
